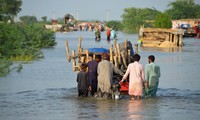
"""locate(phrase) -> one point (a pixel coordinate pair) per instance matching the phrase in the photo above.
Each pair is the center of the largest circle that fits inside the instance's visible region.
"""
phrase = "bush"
(117, 25)
(23, 43)
(162, 21)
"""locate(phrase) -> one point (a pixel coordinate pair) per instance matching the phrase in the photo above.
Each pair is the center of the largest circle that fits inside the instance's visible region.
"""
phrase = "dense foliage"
(133, 18)
(117, 25)
(162, 21)
(183, 9)
(9, 9)
(23, 43)
(28, 19)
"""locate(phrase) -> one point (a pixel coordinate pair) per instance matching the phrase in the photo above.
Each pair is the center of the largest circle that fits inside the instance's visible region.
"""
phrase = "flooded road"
(46, 89)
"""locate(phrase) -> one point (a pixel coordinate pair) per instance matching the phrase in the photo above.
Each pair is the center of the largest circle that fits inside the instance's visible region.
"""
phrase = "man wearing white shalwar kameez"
(136, 78)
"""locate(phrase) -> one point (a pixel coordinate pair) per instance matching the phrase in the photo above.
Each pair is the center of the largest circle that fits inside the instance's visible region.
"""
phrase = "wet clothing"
(136, 78)
(83, 84)
(152, 74)
(108, 35)
(92, 75)
(97, 35)
(105, 74)
(113, 34)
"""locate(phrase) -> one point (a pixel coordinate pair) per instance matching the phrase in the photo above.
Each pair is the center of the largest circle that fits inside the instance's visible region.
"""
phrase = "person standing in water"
(97, 35)
(135, 71)
(82, 80)
(92, 73)
(108, 34)
(113, 34)
(152, 74)
(105, 72)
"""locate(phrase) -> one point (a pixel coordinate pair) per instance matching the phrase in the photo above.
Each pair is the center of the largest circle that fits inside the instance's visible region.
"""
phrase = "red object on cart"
(124, 87)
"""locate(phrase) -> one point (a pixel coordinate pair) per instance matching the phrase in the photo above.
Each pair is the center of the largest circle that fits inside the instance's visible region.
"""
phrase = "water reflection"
(103, 109)
(144, 109)
(168, 50)
(135, 109)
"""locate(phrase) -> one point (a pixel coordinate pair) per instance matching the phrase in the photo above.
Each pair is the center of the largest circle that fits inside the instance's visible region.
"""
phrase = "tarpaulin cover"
(98, 50)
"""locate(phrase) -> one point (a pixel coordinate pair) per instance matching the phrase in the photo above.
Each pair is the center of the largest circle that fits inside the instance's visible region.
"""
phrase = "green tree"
(28, 19)
(183, 9)
(44, 19)
(117, 25)
(162, 20)
(133, 18)
(9, 9)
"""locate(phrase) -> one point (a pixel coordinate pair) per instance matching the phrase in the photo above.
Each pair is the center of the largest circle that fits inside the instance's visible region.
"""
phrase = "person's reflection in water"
(135, 109)
(144, 109)
(108, 41)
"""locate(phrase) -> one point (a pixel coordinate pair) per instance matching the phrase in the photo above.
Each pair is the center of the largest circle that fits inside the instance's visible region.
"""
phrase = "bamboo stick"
(115, 43)
(124, 59)
(171, 37)
(175, 40)
(73, 61)
(87, 56)
(79, 44)
(94, 57)
(116, 62)
(119, 54)
(129, 56)
(67, 51)
(79, 63)
(82, 59)
(136, 48)
(180, 39)
(111, 54)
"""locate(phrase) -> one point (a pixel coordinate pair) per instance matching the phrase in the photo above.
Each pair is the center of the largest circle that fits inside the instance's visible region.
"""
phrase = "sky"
(87, 9)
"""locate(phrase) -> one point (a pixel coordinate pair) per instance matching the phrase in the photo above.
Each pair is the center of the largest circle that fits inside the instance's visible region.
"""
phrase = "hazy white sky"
(87, 9)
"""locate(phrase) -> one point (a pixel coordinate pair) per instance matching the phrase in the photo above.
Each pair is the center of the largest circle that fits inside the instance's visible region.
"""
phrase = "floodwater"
(46, 89)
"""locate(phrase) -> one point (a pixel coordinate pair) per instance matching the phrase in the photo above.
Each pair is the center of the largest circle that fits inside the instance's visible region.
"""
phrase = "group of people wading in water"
(96, 77)
(111, 34)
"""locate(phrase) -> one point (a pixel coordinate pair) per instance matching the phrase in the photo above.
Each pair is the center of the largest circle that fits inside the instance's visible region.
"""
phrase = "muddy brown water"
(46, 89)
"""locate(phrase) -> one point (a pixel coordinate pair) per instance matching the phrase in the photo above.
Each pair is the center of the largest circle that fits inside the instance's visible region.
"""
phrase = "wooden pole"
(119, 54)
(115, 43)
(73, 61)
(87, 56)
(175, 39)
(116, 62)
(171, 37)
(67, 51)
(167, 37)
(82, 59)
(180, 40)
(115, 51)
(111, 54)
(129, 56)
(79, 44)
(136, 48)
(124, 59)
(94, 57)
